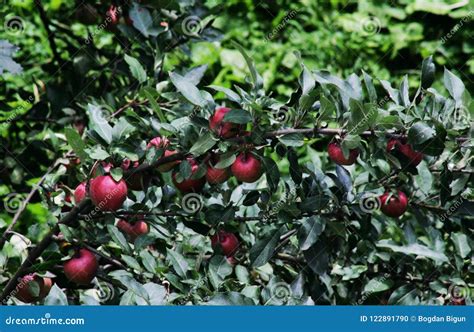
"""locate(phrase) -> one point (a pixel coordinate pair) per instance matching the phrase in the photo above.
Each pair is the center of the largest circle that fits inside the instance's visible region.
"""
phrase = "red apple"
(221, 128)
(228, 242)
(190, 185)
(24, 292)
(336, 154)
(133, 230)
(397, 146)
(80, 192)
(395, 206)
(246, 167)
(82, 268)
(107, 194)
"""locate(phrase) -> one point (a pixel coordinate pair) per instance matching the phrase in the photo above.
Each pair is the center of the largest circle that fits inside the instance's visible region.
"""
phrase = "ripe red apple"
(107, 194)
(133, 230)
(228, 242)
(221, 128)
(24, 292)
(80, 192)
(82, 268)
(190, 185)
(216, 175)
(336, 154)
(400, 146)
(395, 206)
(246, 167)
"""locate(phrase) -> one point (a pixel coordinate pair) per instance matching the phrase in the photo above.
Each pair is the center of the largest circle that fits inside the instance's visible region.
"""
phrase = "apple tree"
(167, 189)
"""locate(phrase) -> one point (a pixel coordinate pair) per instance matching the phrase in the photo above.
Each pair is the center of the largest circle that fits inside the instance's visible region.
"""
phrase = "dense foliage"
(149, 158)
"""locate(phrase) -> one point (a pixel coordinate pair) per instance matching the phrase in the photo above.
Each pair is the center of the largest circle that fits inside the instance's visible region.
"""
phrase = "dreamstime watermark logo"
(369, 203)
(13, 202)
(452, 208)
(370, 25)
(46, 320)
(281, 292)
(374, 286)
(457, 27)
(105, 291)
(282, 115)
(288, 17)
(14, 25)
(191, 203)
(192, 26)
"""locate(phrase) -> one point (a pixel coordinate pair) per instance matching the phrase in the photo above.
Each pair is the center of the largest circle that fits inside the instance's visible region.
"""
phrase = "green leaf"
(242, 274)
(454, 86)
(136, 68)
(143, 21)
(370, 87)
(263, 250)
(187, 89)
(327, 109)
(256, 78)
(317, 258)
(118, 238)
(156, 293)
(179, 263)
(149, 262)
(231, 95)
(427, 72)
(405, 295)
(76, 143)
(219, 269)
(378, 284)
(56, 297)
(309, 231)
(117, 173)
(392, 93)
(461, 244)
(238, 116)
(414, 249)
(154, 105)
(294, 139)
(99, 123)
(231, 298)
(272, 172)
(203, 144)
(131, 262)
(225, 160)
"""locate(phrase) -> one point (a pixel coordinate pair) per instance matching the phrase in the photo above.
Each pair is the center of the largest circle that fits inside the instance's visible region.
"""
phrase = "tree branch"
(68, 219)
